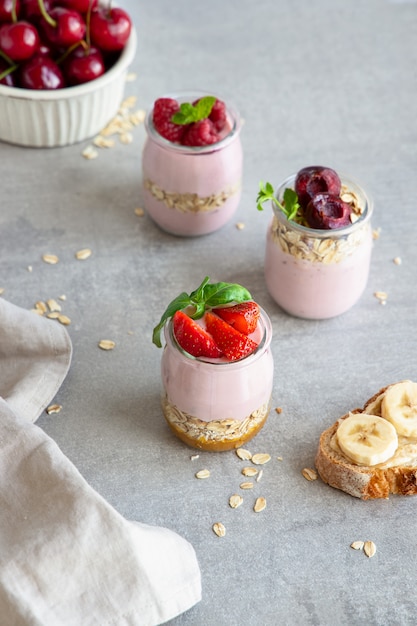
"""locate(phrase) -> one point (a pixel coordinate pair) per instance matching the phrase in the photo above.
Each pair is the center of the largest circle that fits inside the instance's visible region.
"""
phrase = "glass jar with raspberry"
(317, 259)
(192, 163)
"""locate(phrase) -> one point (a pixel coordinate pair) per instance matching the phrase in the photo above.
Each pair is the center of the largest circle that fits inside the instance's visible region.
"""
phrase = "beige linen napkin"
(67, 558)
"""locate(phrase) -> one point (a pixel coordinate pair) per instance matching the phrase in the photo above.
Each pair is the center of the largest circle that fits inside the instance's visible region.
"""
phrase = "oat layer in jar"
(213, 404)
(191, 190)
(318, 274)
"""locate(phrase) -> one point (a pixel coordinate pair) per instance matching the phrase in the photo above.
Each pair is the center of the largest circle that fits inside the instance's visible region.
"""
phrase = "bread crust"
(363, 482)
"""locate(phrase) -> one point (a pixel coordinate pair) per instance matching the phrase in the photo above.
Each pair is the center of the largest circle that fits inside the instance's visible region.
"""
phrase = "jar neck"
(261, 348)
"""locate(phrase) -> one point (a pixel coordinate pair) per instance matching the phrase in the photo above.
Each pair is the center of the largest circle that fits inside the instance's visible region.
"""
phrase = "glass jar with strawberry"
(217, 366)
(192, 163)
(319, 242)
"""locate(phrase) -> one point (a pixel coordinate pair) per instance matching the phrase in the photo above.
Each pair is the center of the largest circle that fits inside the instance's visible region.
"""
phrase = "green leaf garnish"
(190, 113)
(206, 296)
(290, 205)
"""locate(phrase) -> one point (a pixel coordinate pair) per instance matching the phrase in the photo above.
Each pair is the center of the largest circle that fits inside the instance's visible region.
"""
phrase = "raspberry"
(202, 133)
(163, 110)
(218, 115)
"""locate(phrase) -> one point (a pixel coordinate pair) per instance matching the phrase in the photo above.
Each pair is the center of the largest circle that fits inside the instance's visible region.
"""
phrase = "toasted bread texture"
(398, 475)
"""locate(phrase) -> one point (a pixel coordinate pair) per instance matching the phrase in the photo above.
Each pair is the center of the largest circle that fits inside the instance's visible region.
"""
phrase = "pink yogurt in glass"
(192, 190)
(213, 404)
(318, 274)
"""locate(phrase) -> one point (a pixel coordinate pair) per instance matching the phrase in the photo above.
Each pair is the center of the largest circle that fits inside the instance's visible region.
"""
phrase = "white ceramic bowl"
(61, 117)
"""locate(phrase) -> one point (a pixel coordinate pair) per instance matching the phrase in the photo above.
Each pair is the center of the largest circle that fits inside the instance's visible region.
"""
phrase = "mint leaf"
(204, 297)
(190, 113)
(290, 205)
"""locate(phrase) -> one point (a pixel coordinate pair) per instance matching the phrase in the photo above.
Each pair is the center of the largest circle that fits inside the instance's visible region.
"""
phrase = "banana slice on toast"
(372, 452)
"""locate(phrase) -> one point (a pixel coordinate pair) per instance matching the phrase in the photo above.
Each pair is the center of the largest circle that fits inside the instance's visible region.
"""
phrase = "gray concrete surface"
(331, 82)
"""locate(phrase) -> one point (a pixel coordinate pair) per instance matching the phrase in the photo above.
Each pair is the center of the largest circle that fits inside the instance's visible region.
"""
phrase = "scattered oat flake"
(194, 457)
(103, 142)
(139, 212)
(261, 458)
(1, 290)
(243, 454)
(382, 296)
(63, 297)
(278, 410)
(53, 408)
(41, 306)
(53, 315)
(249, 471)
(397, 260)
(138, 117)
(30, 268)
(219, 529)
(309, 474)
(369, 548)
(126, 138)
(235, 501)
(52, 259)
(37, 311)
(64, 320)
(376, 233)
(259, 476)
(279, 458)
(83, 254)
(89, 153)
(260, 504)
(240, 225)
(106, 344)
(246, 485)
(53, 305)
(357, 545)
(204, 473)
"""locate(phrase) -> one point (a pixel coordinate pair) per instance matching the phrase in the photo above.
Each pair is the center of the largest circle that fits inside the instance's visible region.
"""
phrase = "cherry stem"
(45, 14)
(8, 71)
(14, 14)
(6, 58)
(71, 49)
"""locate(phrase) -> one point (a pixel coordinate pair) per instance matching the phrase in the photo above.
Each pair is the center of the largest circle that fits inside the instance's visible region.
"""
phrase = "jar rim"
(186, 96)
(326, 233)
(259, 350)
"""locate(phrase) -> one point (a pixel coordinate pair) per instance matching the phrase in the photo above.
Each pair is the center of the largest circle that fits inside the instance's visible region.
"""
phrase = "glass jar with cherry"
(45, 45)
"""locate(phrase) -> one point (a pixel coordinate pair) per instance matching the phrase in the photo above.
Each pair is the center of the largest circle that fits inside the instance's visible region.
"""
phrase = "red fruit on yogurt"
(234, 344)
(193, 338)
(327, 211)
(313, 180)
(243, 317)
(201, 133)
(163, 110)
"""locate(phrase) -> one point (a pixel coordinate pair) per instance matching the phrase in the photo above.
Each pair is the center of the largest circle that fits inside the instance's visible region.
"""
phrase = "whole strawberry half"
(234, 344)
(243, 317)
(192, 338)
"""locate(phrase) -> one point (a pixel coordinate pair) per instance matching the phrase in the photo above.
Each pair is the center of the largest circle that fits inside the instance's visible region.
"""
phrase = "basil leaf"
(224, 293)
(180, 302)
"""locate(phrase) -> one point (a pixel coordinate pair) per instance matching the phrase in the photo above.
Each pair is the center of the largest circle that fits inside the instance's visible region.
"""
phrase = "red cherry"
(110, 29)
(316, 179)
(69, 29)
(9, 79)
(328, 212)
(41, 72)
(81, 6)
(6, 8)
(19, 40)
(82, 65)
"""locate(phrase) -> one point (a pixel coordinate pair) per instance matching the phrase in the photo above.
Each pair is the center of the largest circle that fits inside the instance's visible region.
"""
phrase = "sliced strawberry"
(192, 338)
(243, 317)
(234, 345)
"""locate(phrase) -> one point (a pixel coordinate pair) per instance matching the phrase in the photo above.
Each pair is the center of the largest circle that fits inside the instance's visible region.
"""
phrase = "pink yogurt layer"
(215, 389)
(316, 290)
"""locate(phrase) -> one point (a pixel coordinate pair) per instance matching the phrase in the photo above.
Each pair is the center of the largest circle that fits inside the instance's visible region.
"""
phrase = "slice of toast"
(398, 475)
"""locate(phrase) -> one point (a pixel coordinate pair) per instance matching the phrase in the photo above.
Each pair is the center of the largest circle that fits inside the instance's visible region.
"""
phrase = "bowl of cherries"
(63, 67)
